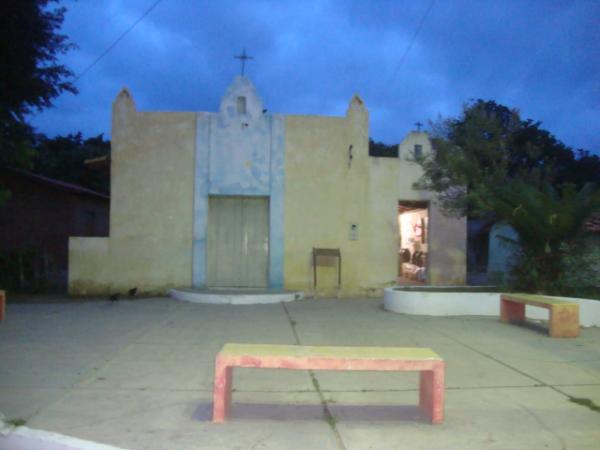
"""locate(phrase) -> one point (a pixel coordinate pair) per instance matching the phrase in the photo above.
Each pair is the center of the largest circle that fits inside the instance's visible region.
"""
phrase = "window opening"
(418, 151)
(241, 105)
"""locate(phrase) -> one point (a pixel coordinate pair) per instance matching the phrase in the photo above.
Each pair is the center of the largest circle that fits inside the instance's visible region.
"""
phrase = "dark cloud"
(312, 56)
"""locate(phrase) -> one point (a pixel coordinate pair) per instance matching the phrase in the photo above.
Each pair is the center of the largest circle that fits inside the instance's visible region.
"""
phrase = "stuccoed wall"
(325, 193)
(89, 269)
(447, 240)
(239, 153)
(391, 180)
(239, 150)
(164, 166)
(152, 173)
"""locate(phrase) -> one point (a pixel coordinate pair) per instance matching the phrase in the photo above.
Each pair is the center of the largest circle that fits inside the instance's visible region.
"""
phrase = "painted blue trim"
(201, 181)
(277, 188)
(239, 190)
(239, 154)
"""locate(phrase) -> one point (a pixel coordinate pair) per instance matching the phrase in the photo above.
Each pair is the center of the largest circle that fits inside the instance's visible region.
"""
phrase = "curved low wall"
(437, 303)
(234, 297)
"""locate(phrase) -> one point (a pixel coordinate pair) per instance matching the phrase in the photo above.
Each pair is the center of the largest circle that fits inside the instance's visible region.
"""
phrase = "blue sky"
(541, 57)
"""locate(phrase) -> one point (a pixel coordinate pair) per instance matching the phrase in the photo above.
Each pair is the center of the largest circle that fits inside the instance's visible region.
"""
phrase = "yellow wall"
(323, 196)
(447, 243)
(151, 218)
(89, 268)
(152, 182)
(391, 180)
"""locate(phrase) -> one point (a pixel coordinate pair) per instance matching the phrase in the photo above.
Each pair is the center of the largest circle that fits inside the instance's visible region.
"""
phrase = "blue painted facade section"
(239, 157)
(276, 219)
(240, 151)
(502, 255)
(200, 199)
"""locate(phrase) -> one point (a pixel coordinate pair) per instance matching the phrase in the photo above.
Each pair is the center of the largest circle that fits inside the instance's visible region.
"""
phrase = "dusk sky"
(541, 57)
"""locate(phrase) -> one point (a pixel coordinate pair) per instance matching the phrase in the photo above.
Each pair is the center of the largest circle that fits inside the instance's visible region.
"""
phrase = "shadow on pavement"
(354, 413)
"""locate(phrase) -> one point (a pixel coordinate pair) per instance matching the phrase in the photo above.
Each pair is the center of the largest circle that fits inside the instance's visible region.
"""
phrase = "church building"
(243, 198)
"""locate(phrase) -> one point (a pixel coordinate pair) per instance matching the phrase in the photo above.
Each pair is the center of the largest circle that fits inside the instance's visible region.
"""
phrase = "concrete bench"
(430, 365)
(564, 315)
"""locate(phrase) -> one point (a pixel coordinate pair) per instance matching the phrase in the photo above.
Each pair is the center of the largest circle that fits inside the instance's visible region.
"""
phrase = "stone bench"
(564, 315)
(298, 357)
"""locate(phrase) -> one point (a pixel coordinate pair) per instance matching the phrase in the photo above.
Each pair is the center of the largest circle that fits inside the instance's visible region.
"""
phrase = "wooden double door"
(238, 241)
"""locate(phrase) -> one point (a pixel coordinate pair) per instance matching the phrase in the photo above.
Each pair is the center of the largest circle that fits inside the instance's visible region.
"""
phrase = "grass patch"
(332, 421)
(585, 402)
(18, 422)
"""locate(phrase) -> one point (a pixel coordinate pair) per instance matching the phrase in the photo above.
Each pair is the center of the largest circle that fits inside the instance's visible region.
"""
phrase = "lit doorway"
(413, 230)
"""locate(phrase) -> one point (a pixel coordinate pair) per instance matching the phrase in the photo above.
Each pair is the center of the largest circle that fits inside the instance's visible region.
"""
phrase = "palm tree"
(549, 223)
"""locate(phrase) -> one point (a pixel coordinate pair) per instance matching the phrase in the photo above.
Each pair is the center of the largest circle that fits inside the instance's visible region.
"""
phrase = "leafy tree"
(63, 158)
(382, 150)
(490, 162)
(489, 145)
(549, 225)
(30, 76)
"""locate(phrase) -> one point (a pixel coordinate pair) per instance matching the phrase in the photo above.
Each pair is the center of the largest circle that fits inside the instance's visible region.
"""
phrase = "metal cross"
(243, 57)
(419, 125)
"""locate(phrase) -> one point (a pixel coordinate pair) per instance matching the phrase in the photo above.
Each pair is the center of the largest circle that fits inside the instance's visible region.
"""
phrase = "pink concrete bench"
(430, 365)
(564, 315)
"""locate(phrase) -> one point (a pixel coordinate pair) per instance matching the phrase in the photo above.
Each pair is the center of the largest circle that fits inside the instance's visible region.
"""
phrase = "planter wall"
(430, 303)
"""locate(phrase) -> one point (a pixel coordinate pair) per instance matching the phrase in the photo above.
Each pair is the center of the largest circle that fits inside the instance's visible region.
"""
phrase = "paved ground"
(138, 374)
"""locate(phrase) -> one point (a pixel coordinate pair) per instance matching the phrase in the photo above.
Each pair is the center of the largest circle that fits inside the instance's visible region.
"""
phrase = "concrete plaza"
(138, 374)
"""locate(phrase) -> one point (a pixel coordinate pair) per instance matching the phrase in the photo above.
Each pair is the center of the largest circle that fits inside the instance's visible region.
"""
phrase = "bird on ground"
(132, 292)
(114, 297)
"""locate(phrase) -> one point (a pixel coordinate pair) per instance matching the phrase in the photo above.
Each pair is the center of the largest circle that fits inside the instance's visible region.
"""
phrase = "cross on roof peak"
(243, 57)
(419, 125)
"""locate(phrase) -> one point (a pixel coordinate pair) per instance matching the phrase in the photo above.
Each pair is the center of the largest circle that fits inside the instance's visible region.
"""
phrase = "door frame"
(268, 235)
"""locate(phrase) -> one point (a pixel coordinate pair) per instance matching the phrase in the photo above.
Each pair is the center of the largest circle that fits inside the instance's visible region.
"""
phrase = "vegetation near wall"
(490, 162)
(63, 158)
(381, 150)
(30, 45)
